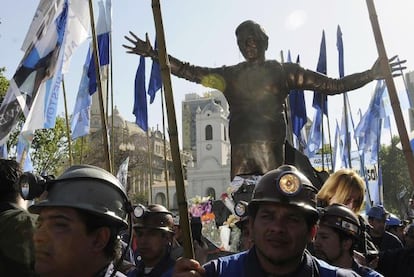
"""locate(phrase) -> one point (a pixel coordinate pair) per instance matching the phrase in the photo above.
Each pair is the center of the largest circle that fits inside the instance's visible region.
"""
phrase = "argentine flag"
(80, 123)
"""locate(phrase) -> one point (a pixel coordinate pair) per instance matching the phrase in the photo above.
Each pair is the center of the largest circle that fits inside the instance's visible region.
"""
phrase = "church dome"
(213, 107)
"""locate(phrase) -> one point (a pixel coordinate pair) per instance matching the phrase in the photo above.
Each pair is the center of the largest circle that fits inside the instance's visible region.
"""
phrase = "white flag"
(123, 173)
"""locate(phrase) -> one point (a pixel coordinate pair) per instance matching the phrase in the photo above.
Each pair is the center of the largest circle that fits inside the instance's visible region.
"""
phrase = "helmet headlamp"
(140, 210)
(290, 184)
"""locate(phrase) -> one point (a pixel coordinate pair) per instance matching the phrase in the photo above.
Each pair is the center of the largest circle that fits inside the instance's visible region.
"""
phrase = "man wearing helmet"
(282, 219)
(153, 227)
(79, 222)
(338, 233)
(383, 239)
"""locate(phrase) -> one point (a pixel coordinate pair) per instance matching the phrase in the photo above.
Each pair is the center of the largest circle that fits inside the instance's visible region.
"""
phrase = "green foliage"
(4, 84)
(395, 178)
(50, 148)
(139, 198)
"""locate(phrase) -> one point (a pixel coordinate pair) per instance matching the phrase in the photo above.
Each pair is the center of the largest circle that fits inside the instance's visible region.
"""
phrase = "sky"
(202, 33)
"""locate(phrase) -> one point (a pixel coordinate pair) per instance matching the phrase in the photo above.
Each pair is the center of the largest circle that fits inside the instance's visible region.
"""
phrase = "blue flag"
(336, 148)
(315, 135)
(297, 110)
(344, 142)
(23, 148)
(140, 104)
(368, 130)
(320, 100)
(42, 61)
(80, 121)
(3, 151)
(340, 46)
(155, 82)
(103, 29)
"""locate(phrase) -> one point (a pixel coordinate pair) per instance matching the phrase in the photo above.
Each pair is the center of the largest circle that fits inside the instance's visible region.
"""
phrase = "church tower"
(211, 172)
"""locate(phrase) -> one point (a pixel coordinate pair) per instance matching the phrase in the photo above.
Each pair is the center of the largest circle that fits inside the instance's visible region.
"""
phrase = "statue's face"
(249, 49)
(251, 45)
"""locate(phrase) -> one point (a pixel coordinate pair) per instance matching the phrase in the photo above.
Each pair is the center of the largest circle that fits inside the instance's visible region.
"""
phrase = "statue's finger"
(130, 39)
(127, 46)
(134, 35)
(393, 58)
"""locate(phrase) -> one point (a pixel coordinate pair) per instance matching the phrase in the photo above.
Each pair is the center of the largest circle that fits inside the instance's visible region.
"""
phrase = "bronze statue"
(256, 91)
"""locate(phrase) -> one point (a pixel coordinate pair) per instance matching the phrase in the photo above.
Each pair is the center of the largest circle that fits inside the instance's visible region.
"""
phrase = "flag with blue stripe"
(56, 31)
(368, 131)
(315, 135)
(80, 122)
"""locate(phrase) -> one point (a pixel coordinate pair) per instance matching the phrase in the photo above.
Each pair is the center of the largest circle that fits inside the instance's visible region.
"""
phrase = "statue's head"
(250, 29)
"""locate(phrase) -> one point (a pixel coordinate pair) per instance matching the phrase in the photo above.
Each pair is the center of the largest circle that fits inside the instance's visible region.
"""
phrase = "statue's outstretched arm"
(395, 65)
(178, 68)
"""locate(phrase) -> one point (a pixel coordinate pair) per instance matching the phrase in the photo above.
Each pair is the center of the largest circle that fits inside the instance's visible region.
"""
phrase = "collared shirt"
(246, 264)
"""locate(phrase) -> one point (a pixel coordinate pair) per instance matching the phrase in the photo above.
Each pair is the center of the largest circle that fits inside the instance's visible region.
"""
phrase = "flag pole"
(172, 128)
(347, 134)
(288, 118)
(149, 168)
(67, 123)
(111, 70)
(395, 103)
(167, 189)
(99, 84)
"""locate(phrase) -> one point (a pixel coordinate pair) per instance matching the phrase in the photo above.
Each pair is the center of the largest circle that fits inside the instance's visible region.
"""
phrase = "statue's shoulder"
(274, 64)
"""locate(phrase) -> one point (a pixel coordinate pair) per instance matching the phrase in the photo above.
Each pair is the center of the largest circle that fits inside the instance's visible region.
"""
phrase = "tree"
(50, 148)
(395, 177)
(4, 84)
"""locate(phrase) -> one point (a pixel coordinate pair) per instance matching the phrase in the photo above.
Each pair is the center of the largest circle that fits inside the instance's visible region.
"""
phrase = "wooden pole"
(67, 123)
(172, 128)
(149, 146)
(111, 70)
(167, 189)
(99, 84)
(395, 103)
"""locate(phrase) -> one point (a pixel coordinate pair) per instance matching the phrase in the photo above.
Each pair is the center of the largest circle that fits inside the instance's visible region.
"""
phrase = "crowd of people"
(85, 225)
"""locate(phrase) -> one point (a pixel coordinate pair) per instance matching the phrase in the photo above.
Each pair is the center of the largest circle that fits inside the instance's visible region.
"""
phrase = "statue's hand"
(140, 47)
(395, 66)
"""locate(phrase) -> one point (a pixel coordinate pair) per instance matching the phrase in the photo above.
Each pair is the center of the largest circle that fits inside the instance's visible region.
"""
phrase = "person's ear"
(100, 238)
(312, 233)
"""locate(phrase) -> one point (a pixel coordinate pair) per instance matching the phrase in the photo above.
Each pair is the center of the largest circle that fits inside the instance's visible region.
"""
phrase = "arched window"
(209, 132)
(160, 199)
(211, 192)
